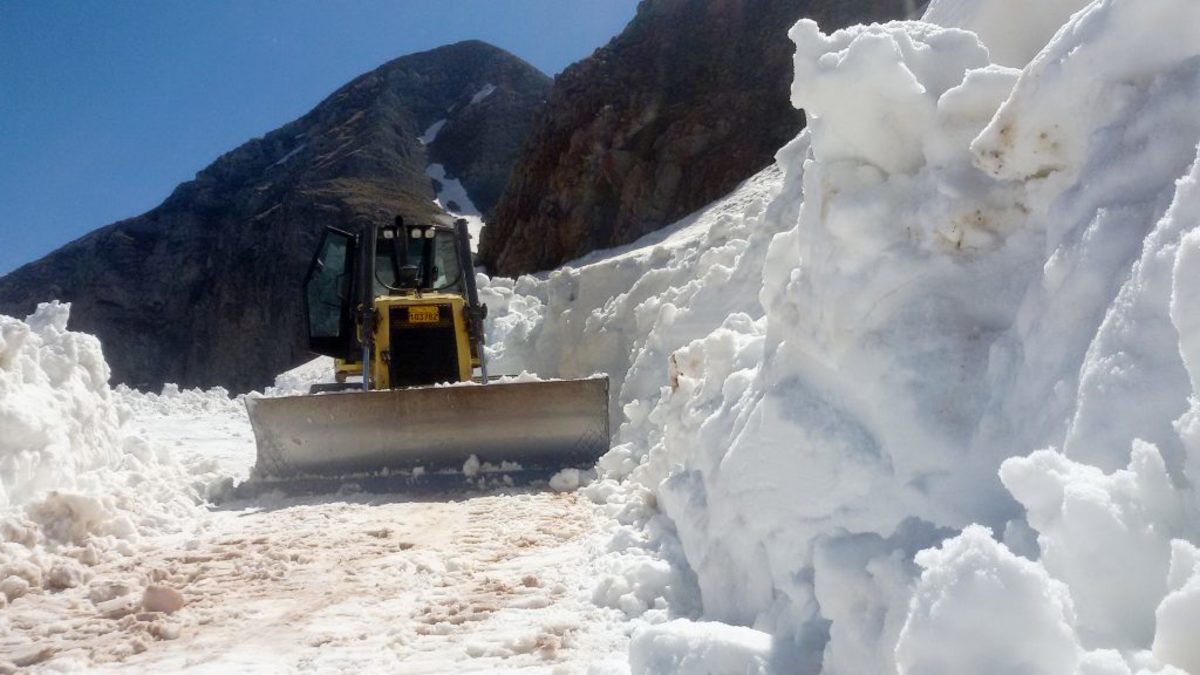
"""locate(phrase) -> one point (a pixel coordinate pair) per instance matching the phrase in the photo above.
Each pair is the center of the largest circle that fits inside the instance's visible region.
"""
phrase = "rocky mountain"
(205, 289)
(690, 99)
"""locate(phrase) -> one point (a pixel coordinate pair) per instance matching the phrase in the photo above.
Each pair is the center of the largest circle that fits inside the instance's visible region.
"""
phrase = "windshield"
(435, 263)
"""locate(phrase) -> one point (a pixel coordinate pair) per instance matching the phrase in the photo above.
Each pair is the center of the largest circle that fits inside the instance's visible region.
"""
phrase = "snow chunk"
(566, 480)
(483, 93)
(980, 609)
(871, 92)
(1179, 613)
(824, 372)
(298, 380)
(1185, 293)
(471, 467)
(699, 648)
(1097, 531)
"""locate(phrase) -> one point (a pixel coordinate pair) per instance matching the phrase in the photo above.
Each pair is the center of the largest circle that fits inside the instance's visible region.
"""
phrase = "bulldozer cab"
(415, 259)
(396, 276)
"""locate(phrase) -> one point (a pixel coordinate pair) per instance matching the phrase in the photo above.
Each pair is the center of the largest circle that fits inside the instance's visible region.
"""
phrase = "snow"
(699, 648)
(1179, 612)
(1014, 31)
(957, 299)
(139, 561)
(292, 153)
(50, 376)
(486, 91)
(298, 380)
(351, 584)
(567, 480)
(206, 425)
(451, 196)
(431, 133)
(978, 608)
(81, 486)
(73, 475)
(453, 199)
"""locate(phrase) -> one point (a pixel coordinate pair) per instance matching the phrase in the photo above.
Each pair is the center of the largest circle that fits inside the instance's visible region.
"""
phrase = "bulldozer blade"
(552, 424)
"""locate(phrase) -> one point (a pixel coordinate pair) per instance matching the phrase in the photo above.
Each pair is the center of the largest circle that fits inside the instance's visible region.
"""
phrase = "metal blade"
(539, 425)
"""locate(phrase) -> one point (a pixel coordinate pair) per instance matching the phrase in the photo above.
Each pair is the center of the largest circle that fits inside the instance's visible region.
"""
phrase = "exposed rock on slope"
(205, 289)
(689, 100)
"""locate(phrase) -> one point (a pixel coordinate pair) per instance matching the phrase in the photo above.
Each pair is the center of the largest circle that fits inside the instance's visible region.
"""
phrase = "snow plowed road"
(490, 582)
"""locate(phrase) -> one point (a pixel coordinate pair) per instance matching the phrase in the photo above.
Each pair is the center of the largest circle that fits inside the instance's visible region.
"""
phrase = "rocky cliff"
(690, 99)
(205, 289)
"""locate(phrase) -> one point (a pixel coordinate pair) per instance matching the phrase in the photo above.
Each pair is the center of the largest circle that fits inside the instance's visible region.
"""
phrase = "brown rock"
(691, 99)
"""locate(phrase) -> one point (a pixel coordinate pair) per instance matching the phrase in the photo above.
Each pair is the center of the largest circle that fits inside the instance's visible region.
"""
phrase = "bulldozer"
(397, 306)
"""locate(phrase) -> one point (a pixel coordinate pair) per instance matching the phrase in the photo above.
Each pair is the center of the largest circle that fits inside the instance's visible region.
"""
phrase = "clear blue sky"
(106, 106)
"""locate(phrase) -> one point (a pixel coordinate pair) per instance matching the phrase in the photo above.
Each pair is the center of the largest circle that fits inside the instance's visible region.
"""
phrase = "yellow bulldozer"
(396, 305)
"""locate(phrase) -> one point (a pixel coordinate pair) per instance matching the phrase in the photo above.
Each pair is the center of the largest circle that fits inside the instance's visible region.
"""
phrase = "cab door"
(328, 303)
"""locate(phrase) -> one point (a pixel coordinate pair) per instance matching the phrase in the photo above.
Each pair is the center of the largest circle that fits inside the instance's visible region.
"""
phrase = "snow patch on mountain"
(430, 134)
(486, 91)
(291, 153)
(452, 197)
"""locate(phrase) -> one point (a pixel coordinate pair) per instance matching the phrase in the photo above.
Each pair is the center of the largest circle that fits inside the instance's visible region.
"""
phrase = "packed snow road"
(487, 582)
(493, 579)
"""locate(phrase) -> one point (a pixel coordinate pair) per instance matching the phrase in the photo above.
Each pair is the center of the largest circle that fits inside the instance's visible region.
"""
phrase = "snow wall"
(922, 397)
(77, 485)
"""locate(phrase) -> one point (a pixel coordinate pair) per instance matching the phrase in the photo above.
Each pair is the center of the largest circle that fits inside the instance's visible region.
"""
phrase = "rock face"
(205, 289)
(689, 100)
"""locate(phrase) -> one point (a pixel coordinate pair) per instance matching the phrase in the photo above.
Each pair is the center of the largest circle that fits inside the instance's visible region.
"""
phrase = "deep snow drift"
(967, 299)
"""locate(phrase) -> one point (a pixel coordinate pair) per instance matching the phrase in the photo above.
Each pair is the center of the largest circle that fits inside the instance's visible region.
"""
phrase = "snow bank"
(56, 411)
(75, 484)
(965, 295)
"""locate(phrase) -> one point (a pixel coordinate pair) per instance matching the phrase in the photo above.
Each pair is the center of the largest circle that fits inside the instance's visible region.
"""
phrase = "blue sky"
(106, 106)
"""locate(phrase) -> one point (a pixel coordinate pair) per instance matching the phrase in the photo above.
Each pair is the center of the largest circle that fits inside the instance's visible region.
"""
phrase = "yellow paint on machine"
(420, 310)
